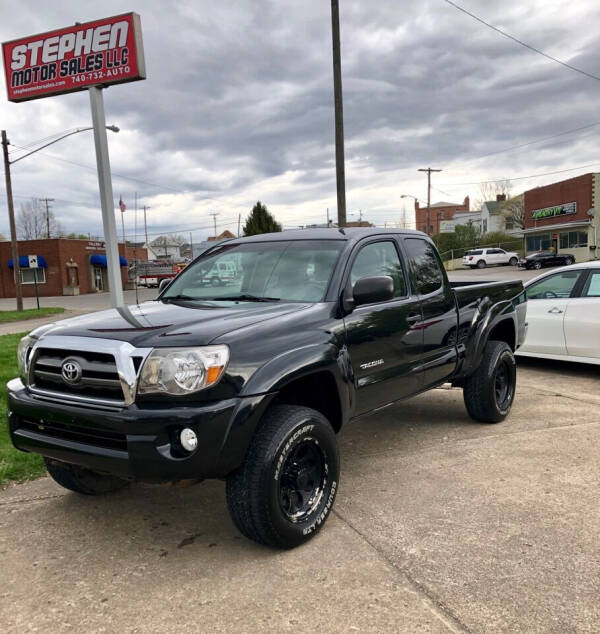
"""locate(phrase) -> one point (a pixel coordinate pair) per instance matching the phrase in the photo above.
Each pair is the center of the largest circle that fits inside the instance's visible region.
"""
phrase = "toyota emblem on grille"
(71, 371)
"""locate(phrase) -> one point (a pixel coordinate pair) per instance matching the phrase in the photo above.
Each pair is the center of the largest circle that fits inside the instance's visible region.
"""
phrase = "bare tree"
(166, 241)
(34, 223)
(489, 191)
(514, 211)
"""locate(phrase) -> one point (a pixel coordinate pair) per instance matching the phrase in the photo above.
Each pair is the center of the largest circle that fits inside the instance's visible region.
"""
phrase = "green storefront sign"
(557, 210)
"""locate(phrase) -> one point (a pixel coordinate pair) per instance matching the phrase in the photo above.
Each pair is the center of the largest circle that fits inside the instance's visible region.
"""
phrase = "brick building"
(438, 212)
(66, 267)
(564, 216)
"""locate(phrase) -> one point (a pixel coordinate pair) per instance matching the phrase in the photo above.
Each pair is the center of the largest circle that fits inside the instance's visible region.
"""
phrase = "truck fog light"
(188, 439)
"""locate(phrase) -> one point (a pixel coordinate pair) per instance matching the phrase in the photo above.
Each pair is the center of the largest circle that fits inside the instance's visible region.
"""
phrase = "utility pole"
(339, 114)
(328, 217)
(13, 228)
(239, 221)
(146, 225)
(428, 170)
(214, 214)
(191, 247)
(47, 201)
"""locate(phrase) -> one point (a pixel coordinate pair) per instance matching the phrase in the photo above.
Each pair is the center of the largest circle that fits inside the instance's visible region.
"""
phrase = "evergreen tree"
(260, 221)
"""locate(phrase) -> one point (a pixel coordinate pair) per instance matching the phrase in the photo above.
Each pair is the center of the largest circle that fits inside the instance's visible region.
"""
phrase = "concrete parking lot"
(441, 525)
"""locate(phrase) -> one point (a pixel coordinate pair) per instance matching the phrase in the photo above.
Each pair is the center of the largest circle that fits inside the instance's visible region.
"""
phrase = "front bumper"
(135, 442)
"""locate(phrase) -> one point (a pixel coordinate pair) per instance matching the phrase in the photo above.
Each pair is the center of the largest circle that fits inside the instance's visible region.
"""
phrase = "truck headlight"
(182, 370)
(23, 352)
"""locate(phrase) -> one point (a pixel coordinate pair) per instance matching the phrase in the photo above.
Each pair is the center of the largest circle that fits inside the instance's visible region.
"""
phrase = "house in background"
(438, 213)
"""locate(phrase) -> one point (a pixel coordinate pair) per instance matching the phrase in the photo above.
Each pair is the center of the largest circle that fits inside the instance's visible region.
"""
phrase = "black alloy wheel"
(283, 492)
(503, 386)
(303, 479)
(489, 392)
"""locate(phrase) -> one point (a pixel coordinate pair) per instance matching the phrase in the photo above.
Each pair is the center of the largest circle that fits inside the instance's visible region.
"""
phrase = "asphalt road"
(441, 525)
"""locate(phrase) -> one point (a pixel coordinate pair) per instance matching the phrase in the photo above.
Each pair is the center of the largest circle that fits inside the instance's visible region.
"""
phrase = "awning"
(557, 227)
(100, 260)
(24, 262)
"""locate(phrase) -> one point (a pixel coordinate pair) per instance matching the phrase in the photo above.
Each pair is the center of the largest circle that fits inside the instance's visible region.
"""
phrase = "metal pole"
(239, 222)
(13, 229)
(146, 225)
(427, 219)
(37, 294)
(340, 171)
(106, 198)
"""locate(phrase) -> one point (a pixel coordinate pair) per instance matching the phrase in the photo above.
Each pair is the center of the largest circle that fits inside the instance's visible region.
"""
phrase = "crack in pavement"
(33, 499)
(441, 611)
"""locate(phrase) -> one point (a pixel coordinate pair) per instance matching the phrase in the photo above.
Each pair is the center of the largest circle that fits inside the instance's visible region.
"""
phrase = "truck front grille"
(95, 373)
(76, 433)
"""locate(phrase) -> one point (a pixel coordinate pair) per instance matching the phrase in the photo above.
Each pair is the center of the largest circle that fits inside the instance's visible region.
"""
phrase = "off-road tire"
(481, 264)
(256, 491)
(82, 480)
(484, 401)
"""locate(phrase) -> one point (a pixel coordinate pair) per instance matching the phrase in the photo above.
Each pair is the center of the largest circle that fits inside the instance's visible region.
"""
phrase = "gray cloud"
(238, 106)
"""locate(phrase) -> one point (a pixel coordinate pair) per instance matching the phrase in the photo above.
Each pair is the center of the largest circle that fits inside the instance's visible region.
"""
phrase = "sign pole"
(37, 293)
(13, 228)
(106, 198)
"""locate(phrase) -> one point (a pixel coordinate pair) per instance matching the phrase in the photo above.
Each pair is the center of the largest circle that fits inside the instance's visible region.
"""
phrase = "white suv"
(480, 258)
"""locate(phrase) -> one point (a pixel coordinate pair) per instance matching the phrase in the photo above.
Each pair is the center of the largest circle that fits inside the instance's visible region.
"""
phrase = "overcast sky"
(238, 106)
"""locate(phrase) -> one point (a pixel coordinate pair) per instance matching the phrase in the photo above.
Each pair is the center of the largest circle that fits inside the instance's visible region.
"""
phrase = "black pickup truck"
(251, 378)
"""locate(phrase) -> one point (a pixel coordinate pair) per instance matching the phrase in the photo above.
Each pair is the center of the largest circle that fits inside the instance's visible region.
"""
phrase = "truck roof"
(346, 234)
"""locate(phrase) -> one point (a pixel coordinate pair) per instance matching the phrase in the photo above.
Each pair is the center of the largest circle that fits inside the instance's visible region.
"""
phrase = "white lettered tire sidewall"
(318, 430)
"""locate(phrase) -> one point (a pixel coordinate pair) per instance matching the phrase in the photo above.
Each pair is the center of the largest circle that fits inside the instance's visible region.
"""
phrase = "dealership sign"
(557, 210)
(98, 53)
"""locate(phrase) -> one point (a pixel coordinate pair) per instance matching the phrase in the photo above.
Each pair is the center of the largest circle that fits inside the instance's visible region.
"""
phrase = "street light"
(11, 209)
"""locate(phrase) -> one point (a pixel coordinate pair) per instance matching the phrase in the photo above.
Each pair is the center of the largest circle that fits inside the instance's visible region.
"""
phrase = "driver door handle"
(555, 310)
(413, 318)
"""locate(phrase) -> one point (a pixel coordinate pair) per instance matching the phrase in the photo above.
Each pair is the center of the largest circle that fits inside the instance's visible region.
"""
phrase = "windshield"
(297, 270)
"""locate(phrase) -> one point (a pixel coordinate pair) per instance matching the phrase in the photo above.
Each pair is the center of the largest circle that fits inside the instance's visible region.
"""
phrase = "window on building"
(573, 239)
(485, 226)
(539, 243)
(27, 276)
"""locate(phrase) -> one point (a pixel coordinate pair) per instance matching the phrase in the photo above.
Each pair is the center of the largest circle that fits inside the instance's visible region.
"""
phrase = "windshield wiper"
(165, 299)
(245, 297)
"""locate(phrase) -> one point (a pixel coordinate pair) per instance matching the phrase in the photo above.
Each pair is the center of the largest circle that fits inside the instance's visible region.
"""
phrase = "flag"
(122, 205)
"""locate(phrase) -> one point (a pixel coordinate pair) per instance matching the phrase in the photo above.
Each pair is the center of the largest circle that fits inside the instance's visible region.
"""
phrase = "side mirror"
(370, 290)
(163, 284)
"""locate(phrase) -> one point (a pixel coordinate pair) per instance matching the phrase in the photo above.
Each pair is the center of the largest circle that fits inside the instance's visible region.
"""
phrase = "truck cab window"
(427, 271)
(379, 258)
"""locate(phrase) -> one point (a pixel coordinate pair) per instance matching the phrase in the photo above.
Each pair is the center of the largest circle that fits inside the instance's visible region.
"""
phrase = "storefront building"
(564, 217)
(65, 267)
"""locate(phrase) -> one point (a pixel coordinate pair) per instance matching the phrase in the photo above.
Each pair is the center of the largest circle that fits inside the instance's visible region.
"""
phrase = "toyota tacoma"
(252, 378)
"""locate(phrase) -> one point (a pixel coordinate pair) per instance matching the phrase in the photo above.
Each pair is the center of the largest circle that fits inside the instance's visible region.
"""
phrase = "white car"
(563, 313)
(480, 258)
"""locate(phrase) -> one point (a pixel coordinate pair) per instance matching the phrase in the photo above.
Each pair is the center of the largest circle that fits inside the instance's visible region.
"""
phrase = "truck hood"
(158, 324)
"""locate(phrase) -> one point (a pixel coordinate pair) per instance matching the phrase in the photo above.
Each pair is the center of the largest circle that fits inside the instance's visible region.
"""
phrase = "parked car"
(253, 381)
(563, 313)
(480, 258)
(542, 259)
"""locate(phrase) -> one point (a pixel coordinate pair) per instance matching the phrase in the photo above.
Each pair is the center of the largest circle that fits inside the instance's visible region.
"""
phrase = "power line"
(529, 46)
(540, 140)
(518, 178)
